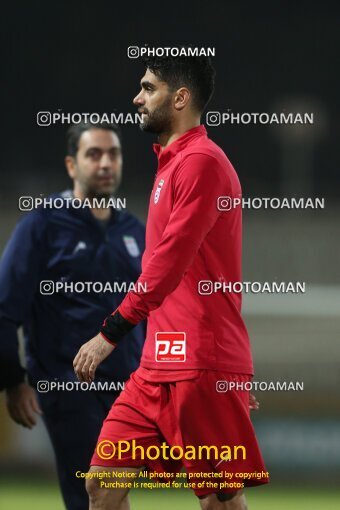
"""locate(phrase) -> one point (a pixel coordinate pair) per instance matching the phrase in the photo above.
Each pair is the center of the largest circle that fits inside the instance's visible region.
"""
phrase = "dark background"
(73, 56)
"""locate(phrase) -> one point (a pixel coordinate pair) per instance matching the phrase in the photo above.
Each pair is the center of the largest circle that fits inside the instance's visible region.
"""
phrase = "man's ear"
(182, 98)
(70, 164)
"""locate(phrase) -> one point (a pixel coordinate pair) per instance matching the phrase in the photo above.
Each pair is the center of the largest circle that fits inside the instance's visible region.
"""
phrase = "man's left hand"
(90, 355)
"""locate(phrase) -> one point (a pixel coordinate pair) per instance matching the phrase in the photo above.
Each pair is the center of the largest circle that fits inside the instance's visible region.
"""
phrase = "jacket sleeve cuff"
(11, 375)
(115, 327)
(107, 340)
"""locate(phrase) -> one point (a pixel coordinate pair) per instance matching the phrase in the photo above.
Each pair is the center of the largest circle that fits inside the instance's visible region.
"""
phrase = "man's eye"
(114, 153)
(94, 154)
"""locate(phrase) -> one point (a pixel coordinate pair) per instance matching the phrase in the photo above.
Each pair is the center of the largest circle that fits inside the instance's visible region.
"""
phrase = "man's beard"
(91, 190)
(159, 120)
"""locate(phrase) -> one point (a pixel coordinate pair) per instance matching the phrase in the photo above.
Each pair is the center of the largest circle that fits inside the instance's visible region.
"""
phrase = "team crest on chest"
(158, 191)
(131, 246)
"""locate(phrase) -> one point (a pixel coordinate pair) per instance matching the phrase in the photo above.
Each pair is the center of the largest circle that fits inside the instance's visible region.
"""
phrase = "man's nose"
(138, 100)
(105, 161)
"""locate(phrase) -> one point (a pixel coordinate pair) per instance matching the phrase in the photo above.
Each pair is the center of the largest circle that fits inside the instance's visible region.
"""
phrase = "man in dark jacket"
(64, 269)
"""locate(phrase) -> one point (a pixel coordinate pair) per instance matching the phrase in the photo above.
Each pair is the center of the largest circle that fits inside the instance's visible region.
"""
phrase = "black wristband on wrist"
(115, 327)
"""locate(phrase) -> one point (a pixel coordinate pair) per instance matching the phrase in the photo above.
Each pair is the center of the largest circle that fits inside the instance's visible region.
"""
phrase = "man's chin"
(148, 128)
(104, 192)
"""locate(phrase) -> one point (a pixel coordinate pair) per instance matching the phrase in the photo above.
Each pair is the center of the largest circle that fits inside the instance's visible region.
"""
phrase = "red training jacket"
(188, 239)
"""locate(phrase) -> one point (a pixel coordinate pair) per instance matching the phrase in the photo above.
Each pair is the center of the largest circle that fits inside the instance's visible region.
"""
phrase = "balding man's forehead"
(98, 137)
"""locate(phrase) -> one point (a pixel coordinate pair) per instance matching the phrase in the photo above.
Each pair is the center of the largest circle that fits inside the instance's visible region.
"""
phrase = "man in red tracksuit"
(196, 338)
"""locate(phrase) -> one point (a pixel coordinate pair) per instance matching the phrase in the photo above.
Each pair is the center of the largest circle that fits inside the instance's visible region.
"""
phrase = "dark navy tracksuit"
(68, 245)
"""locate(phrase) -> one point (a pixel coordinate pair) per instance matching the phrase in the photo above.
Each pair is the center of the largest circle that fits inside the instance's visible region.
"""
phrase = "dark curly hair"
(196, 73)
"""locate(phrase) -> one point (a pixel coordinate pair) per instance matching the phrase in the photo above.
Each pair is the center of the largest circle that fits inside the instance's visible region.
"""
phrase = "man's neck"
(165, 139)
(100, 213)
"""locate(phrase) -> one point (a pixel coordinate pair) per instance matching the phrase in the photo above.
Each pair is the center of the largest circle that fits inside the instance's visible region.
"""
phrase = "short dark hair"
(75, 131)
(196, 73)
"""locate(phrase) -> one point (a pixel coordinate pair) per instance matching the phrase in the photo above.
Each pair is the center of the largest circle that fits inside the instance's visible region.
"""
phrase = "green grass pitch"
(31, 496)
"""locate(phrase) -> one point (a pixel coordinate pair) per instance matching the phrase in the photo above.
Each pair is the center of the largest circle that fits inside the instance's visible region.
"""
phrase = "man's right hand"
(22, 405)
